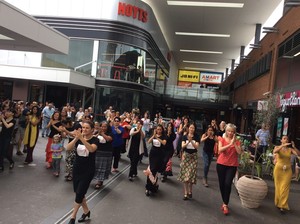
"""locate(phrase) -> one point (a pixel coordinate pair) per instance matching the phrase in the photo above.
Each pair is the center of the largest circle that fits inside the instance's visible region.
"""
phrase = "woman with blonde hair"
(229, 148)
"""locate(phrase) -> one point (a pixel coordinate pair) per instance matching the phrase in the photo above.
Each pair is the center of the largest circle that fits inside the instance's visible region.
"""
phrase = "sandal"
(98, 185)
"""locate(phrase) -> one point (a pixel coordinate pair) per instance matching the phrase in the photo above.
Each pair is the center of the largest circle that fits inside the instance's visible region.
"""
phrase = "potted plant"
(252, 190)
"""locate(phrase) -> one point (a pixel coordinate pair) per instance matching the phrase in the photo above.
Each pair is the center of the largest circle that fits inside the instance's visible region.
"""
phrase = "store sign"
(188, 76)
(129, 10)
(211, 77)
(290, 99)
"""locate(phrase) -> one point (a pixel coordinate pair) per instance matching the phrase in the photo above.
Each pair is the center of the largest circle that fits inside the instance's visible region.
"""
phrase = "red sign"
(132, 11)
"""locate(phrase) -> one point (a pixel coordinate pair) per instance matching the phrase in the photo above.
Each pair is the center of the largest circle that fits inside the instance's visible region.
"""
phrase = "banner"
(188, 76)
(211, 77)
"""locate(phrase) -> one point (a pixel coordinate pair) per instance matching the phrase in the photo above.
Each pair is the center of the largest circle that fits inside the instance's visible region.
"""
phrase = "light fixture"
(201, 62)
(255, 46)
(202, 34)
(206, 4)
(3, 37)
(198, 51)
(201, 69)
(295, 55)
(295, 3)
(244, 57)
(270, 30)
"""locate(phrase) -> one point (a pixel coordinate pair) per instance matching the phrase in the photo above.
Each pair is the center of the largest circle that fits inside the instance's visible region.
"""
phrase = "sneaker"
(130, 178)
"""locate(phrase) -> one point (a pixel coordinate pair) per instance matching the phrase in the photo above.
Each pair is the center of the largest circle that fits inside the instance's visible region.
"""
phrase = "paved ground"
(31, 194)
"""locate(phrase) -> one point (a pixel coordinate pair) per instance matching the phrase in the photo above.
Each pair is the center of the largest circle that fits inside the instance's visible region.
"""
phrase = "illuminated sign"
(290, 99)
(188, 76)
(129, 10)
(211, 77)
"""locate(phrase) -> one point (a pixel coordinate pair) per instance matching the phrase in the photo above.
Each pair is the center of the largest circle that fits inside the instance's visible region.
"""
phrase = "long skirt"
(103, 165)
(48, 151)
(188, 168)
(282, 182)
(70, 158)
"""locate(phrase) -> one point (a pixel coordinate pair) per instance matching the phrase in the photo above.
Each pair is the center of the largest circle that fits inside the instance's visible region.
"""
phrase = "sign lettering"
(132, 11)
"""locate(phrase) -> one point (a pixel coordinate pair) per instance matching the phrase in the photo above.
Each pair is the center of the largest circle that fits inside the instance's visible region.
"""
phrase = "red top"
(229, 157)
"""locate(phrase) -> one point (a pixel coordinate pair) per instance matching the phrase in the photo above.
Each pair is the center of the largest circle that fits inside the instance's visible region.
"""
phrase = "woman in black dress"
(136, 148)
(84, 167)
(169, 150)
(103, 154)
(156, 159)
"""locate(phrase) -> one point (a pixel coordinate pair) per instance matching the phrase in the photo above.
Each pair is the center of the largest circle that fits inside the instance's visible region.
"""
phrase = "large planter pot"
(251, 191)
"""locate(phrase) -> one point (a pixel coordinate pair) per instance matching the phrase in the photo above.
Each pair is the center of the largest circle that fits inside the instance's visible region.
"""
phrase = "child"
(56, 149)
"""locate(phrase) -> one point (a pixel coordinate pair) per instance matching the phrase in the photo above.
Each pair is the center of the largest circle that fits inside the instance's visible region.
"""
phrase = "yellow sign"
(188, 76)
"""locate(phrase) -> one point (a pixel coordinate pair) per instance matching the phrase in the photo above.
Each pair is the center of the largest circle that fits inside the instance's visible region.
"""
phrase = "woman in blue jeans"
(210, 139)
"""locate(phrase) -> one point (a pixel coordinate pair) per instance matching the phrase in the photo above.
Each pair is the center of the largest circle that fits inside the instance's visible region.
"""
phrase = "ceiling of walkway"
(239, 23)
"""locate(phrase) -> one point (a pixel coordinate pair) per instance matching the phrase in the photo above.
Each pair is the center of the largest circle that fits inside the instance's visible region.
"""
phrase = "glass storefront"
(121, 100)
(115, 61)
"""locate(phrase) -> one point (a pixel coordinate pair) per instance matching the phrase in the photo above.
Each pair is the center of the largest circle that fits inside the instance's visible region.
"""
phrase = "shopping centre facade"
(117, 55)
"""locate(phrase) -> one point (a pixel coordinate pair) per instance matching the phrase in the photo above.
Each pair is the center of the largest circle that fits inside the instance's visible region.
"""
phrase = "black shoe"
(84, 216)
(72, 221)
(19, 153)
(130, 178)
(185, 197)
(11, 166)
(147, 193)
(190, 195)
(1, 169)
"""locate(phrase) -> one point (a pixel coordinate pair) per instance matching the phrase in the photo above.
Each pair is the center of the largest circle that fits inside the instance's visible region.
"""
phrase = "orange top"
(229, 157)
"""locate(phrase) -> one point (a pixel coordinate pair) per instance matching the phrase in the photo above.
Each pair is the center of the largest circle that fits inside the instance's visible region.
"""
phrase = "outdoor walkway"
(31, 194)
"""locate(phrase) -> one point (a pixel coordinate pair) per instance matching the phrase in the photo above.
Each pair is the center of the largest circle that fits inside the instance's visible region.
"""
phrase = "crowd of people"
(94, 148)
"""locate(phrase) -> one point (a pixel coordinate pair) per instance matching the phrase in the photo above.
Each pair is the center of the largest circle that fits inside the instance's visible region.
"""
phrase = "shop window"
(6, 89)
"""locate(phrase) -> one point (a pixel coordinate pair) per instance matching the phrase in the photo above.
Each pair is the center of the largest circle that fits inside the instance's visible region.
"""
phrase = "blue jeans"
(207, 158)
(45, 130)
(56, 165)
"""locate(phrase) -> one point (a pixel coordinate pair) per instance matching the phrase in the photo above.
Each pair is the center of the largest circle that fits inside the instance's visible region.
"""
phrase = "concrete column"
(226, 73)
(242, 52)
(257, 33)
(232, 65)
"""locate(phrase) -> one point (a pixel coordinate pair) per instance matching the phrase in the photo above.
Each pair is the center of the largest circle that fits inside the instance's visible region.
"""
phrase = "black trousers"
(225, 175)
(134, 161)
(116, 156)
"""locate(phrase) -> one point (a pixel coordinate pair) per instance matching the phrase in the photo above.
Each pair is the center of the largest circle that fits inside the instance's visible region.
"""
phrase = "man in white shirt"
(47, 113)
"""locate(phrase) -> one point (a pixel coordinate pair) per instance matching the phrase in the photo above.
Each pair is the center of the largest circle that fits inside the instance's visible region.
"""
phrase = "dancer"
(227, 163)
(84, 167)
(168, 152)
(283, 172)
(156, 156)
(8, 124)
(210, 139)
(103, 154)
(135, 148)
(55, 128)
(31, 133)
(189, 161)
